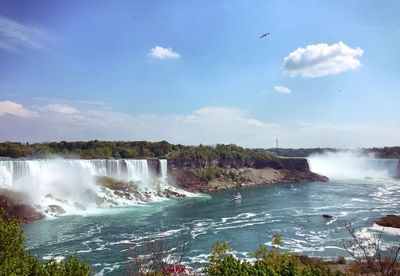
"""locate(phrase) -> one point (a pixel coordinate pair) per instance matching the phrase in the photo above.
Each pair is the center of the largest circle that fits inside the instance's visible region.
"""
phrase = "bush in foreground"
(16, 260)
(268, 263)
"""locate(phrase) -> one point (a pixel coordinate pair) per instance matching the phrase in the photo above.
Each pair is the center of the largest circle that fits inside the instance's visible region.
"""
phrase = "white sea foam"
(388, 230)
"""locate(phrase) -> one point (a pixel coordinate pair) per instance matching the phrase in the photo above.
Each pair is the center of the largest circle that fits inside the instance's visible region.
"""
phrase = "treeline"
(88, 150)
(221, 152)
(385, 152)
(136, 149)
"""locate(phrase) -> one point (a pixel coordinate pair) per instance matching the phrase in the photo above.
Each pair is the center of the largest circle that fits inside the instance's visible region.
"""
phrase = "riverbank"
(216, 179)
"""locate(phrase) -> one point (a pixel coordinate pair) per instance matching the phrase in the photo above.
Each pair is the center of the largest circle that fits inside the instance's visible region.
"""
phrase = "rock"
(15, 205)
(55, 209)
(389, 221)
(79, 206)
(100, 200)
(116, 185)
(172, 194)
(327, 216)
(119, 193)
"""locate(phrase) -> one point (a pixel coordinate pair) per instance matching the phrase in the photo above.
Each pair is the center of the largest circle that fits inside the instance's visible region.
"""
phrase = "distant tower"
(277, 143)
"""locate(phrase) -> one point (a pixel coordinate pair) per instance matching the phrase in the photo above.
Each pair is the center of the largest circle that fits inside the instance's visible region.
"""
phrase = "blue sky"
(196, 72)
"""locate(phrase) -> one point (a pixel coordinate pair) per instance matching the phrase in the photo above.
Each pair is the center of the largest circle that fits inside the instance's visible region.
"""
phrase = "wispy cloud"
(163, 53)
(15, 36)
(318, 60)
(8, 107)
(282, 89)
(59, 108)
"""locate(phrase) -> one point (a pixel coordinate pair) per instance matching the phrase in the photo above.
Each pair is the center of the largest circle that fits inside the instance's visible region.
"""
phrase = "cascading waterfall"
(137, 170)
(163, 170)
(78, 185)
(352, 165)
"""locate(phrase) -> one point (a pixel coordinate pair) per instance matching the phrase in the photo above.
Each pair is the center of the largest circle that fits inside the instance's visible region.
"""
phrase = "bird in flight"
(264, 35)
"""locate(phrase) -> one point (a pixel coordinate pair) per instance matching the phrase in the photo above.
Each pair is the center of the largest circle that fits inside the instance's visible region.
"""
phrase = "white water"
(163, 170)
(73, 184)
(351, 165)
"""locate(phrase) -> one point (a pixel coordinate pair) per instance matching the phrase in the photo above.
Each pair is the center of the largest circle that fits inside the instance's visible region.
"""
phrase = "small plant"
(269, 262)
(341, 260)
(277, 241)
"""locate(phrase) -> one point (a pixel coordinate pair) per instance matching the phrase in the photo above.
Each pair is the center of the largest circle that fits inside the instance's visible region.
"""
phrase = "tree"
(369, 256)
(155, 256)
(16, 260)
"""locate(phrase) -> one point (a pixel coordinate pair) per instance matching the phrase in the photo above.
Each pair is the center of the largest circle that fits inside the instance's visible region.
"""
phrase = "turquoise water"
(294, 210)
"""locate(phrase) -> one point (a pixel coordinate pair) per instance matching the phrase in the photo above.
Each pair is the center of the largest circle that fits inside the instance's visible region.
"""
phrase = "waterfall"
(163, 169)
(351, 165)
(137, 170)
(74, 184)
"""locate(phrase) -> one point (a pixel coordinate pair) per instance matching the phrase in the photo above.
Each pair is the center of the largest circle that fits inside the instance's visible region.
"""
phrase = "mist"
(351, 165)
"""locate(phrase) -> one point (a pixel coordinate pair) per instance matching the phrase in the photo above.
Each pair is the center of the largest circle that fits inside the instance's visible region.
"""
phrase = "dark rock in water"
(79, 206)
(55, 209)
(327, 216)
(14, 205)
(99, 201)
(172, 194)
(389, 221)
(116, 185)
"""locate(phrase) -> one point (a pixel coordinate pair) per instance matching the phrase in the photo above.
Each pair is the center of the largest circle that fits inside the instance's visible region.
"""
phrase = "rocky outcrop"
(299, 164)
(211, 179)
(389, 221)
(14, 206)
(129, 190)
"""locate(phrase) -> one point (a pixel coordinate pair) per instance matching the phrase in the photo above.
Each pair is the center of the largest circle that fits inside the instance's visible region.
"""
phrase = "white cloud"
(60, 108)
(318, 60)
(163, 53)
(15, 36)
(8, 107)
(282, 89)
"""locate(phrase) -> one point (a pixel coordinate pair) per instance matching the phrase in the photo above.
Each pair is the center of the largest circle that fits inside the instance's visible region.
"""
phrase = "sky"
(191, 72)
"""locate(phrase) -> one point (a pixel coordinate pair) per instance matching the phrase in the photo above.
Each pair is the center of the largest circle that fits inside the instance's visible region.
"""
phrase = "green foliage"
(269, 262)
(210, 173)
(277, 240)
(137, 149)
(260, 253)
(16, 260)
(222, 153)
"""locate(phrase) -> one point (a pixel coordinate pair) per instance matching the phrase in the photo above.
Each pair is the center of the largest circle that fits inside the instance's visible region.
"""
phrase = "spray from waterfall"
(351, 165)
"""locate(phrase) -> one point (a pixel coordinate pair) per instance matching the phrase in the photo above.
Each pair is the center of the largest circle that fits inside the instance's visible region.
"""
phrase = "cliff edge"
(211, 176)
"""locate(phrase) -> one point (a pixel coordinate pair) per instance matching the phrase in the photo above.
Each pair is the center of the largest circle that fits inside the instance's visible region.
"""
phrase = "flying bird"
(264, 35)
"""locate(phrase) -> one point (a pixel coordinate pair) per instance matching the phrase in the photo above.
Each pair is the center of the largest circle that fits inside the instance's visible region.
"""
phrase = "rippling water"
(293, 210)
